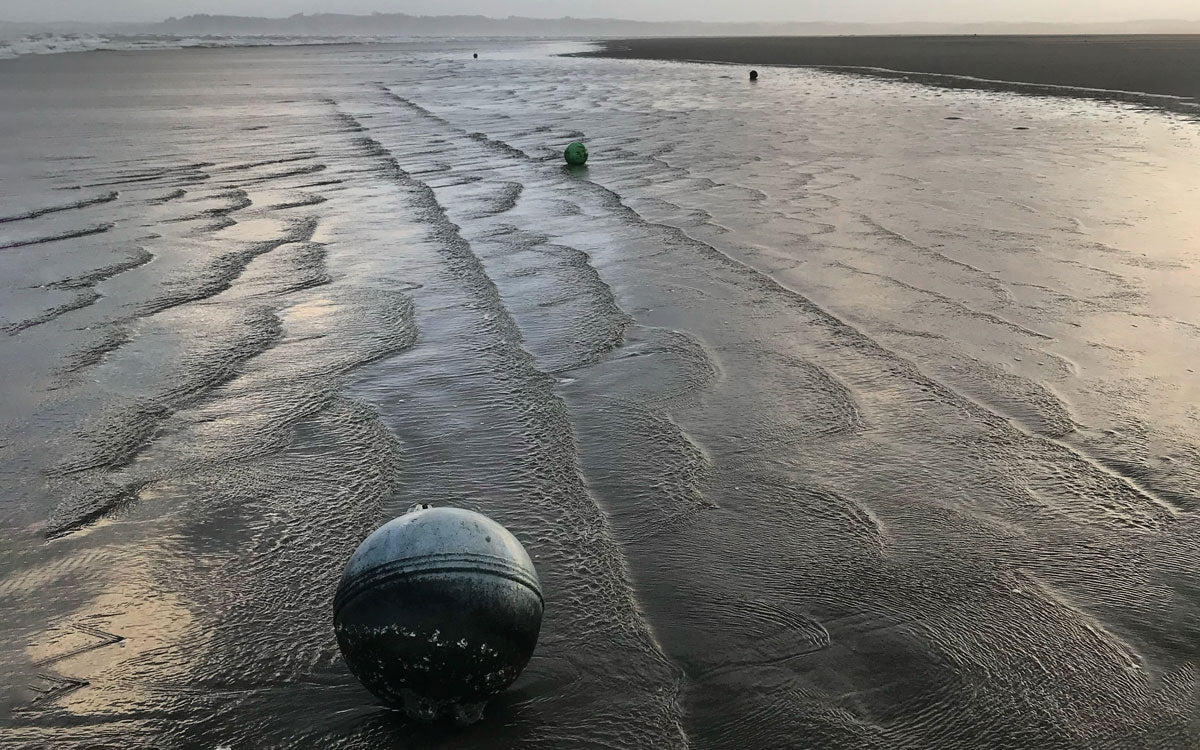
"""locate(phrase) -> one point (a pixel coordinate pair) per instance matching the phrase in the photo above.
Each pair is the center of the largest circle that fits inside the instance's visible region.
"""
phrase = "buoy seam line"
(485, 563)
(479, 557)
(359, 587)
(386, 573)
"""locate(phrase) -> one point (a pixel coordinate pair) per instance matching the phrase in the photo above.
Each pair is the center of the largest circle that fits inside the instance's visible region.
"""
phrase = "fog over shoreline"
(384, 24)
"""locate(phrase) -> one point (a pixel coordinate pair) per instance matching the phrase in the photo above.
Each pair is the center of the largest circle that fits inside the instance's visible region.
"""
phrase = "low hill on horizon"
(402, 24)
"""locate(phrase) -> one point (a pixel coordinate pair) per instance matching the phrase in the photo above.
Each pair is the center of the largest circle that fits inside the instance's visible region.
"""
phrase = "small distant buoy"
(576, 154)
(476, 55)
(438, 612)
(754, 75)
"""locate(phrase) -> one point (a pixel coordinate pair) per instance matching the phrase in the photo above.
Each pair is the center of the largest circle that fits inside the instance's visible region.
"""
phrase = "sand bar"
(1157, 65)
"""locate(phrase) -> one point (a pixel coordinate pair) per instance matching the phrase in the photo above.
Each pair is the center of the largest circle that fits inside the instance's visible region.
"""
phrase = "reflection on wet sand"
(840, 411)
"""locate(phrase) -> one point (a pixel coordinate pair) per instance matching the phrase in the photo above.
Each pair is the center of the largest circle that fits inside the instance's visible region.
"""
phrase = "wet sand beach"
(1158, 65)
(835, 412)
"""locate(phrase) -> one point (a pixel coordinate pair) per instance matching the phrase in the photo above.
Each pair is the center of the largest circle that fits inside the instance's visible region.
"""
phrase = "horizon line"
(617, 20)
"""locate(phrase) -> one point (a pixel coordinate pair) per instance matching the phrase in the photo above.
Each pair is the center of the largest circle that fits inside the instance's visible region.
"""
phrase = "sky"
(872, 11)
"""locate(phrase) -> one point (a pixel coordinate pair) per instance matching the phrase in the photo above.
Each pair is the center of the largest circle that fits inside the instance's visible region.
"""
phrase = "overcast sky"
(657, 10)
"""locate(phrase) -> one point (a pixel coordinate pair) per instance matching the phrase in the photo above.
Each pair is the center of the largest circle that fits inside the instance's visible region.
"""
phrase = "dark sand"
(1159, 65)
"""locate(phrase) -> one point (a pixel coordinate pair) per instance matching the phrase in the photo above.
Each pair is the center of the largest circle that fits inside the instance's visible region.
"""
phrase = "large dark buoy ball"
(576, 154)
(754, 75)
(476, 55)
(438, 611)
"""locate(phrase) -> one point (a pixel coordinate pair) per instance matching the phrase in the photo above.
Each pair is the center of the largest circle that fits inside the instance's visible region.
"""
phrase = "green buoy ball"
(576, 154)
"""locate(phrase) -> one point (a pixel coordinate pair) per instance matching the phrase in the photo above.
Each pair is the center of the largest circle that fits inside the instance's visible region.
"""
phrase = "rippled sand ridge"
(835, 412)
